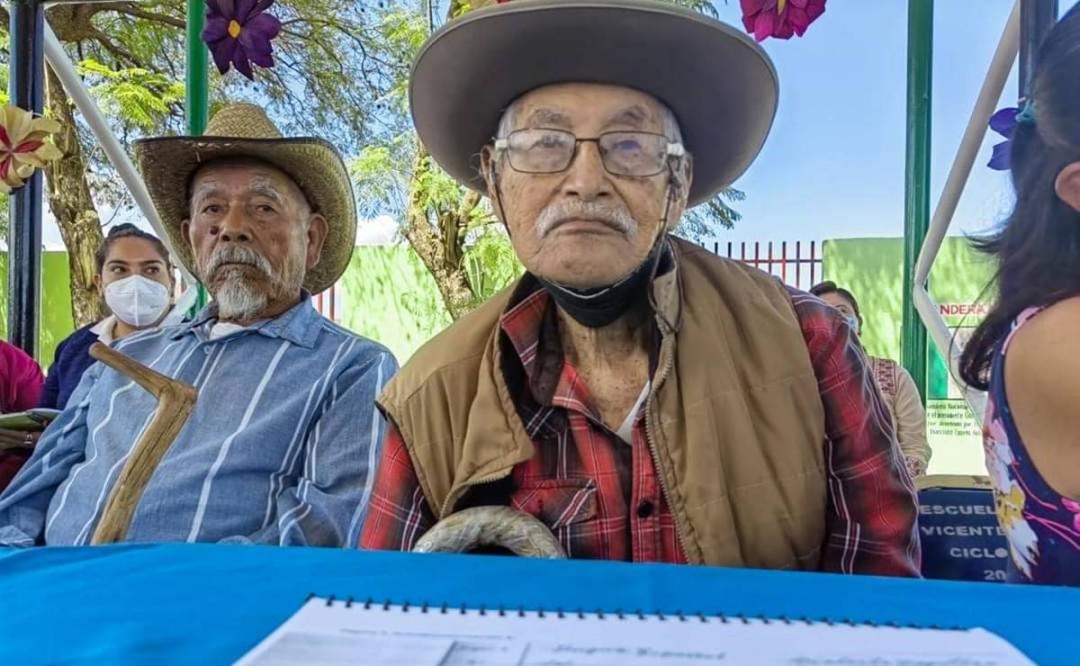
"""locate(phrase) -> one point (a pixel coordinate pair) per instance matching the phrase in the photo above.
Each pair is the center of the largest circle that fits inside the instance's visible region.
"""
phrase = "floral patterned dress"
(1042, 527)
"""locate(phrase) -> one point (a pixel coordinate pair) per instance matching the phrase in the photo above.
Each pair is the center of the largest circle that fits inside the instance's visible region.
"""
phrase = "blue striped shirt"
(279, 449)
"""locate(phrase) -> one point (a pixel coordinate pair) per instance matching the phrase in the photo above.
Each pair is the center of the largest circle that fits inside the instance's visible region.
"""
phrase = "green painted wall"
(56, 323)
(387, 295)
(872, 270)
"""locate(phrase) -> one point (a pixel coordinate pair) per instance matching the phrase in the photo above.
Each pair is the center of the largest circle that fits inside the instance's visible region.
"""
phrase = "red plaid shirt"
(602, 497)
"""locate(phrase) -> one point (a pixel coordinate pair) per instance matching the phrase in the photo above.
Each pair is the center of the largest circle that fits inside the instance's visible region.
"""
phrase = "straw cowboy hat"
(243, 130)
(720, 84)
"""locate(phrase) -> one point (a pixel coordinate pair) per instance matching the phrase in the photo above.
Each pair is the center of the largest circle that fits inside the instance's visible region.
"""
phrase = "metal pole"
(1036, 19)
(197, 97)
(917, 205)
(26, 88)
(985, 104)
(993, 85)
(196, 92)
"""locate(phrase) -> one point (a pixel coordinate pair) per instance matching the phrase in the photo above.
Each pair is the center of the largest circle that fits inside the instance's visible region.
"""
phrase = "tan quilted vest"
(735, 420)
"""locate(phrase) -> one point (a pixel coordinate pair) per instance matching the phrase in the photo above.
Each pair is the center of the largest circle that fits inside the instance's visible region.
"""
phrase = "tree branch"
(334, 25)
(134, 11)
(468, 204)
(117, 50)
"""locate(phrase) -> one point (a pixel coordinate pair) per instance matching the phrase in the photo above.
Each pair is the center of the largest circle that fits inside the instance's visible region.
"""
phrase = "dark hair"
(127, 231)
(829, 287)
(1038, 247)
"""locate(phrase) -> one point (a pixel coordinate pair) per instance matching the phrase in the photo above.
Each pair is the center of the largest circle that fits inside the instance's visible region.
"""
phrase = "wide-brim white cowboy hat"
(244, 130)
(720, 84)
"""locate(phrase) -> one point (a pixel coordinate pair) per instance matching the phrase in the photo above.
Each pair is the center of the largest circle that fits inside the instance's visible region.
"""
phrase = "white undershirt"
(626, 430)
(104, 329)
(220, 329)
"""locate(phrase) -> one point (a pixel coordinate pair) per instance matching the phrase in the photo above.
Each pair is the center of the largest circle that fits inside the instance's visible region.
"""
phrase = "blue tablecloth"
(207, 604)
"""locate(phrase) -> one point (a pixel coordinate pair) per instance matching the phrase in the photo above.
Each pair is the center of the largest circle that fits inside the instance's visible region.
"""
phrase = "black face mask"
(599, 306)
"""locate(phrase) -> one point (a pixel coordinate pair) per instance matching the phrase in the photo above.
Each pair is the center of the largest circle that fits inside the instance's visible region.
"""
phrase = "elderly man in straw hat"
(645, 399)
(284, 433)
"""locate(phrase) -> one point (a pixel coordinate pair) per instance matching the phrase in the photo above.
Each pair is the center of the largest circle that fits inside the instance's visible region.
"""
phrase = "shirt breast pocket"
(561, 504)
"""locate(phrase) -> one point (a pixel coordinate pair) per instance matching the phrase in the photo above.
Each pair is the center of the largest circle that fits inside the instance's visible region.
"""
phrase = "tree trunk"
(441, 246)
(443, 259)
(73, 206)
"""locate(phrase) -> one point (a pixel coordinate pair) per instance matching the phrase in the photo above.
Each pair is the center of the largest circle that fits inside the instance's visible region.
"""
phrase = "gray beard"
(240, 296)
(237, 300)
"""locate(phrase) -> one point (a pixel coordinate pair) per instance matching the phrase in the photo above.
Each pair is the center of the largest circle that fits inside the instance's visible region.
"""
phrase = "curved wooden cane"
(491, 526)
(175, 400)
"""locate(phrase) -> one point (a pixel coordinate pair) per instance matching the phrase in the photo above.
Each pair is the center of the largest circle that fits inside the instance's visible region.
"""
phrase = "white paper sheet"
(336, 634)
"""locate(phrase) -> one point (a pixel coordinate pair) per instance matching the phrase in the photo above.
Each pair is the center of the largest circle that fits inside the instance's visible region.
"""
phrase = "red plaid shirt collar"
(530, 326)
(527, 324)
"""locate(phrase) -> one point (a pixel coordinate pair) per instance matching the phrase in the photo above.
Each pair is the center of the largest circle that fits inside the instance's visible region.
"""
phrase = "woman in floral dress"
(1026, 352)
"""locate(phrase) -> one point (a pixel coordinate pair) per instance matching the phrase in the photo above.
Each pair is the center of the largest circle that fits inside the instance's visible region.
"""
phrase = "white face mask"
(137, 301)
(853, 322)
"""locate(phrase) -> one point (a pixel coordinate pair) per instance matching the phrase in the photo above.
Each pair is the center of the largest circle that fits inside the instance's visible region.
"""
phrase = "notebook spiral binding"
(616, 615)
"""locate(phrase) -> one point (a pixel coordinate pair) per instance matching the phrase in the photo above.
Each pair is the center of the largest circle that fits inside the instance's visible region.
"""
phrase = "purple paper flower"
(1004, 123)
(238, 33)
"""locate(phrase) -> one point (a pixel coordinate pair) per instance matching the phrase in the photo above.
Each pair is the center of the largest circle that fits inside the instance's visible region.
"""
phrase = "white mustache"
(561, 211)
(237, 254)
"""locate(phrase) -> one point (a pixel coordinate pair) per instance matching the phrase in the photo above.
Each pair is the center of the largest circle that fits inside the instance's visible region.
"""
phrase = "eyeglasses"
(542, 150)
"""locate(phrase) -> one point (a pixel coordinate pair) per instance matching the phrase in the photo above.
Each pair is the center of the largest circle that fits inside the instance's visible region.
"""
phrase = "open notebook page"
(391, 635)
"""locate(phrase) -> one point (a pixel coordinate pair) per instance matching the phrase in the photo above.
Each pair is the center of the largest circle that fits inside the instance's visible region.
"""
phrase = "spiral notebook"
(328, 631)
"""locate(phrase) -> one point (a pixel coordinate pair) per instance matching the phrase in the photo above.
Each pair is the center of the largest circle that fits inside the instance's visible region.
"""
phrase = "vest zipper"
(669, 361)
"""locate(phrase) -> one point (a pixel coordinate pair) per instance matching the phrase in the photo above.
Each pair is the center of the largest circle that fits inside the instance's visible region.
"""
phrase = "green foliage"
(703, 221)
(390, 168)
(330, 71)
(384, 169)
(379, 186)
(438, 190)
(388, 295)
(403, 31)
(135, 96)
(491, 262)
(334, 73)
(703, 6)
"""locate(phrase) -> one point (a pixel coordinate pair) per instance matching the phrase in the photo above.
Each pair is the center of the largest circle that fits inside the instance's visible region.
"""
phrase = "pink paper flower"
(780, 18)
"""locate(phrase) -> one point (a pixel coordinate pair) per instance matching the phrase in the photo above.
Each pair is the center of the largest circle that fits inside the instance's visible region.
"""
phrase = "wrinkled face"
(253, 236)
(582, 226)
(133, 256)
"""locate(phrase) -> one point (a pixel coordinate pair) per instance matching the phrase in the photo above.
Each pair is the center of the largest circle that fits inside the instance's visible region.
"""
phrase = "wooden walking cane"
(175, 400)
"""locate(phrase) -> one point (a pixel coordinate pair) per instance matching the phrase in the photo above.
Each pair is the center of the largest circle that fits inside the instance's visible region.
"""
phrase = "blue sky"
(834, 164)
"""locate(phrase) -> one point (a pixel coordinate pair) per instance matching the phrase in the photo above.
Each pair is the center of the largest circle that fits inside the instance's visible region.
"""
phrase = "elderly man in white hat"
(284, 434)
(643, 398)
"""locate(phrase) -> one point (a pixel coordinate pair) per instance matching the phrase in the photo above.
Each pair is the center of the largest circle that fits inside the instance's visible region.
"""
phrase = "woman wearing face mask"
(901, 394)
(135, 278)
